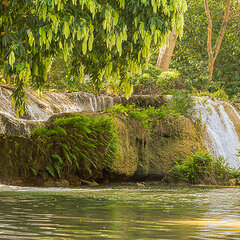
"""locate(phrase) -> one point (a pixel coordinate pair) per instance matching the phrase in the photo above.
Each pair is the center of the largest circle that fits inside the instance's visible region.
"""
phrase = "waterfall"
(222, 125)
(40, 109)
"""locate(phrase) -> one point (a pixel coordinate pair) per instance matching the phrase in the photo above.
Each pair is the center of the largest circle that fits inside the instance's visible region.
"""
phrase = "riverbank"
(52, 155)
(142, 139)
(47, 156)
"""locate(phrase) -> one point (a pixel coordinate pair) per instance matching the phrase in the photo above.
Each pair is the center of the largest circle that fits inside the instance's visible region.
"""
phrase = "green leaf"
(50, 169)
(11, 58)
(66, 30)
(84, 46)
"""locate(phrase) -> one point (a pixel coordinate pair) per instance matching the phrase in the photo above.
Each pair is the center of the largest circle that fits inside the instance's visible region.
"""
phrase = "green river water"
(120, 211)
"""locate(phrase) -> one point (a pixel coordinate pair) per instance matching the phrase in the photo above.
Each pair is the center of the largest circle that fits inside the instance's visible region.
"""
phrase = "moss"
(165, 148)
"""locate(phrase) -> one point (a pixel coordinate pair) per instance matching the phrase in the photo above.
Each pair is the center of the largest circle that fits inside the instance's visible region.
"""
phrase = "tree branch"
(222, 30)
(210, 52)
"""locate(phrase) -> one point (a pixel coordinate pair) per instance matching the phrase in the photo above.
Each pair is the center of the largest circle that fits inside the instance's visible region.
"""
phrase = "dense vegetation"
(104, 39)
(181, 104)
(77, 143)
(203, 168)
(57, 43)
(190, 59)
(190, 55)
(75, 38)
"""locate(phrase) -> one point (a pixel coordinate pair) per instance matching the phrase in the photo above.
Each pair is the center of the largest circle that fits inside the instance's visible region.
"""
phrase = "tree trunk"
(212, 53)
(165, 53)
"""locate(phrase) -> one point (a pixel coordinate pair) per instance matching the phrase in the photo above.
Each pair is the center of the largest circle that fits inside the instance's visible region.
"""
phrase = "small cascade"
(40, 109)
(222, 125)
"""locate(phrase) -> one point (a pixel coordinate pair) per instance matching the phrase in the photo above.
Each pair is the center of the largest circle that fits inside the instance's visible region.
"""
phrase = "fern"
(67, 157)
(57, 157)
(57, 167)
(70, 141)
(50, 169)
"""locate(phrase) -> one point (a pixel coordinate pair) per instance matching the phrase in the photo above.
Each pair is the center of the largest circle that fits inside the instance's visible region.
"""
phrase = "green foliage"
(219, 94)
(103, 39)
(183, 103)
(148, 76)
(168, 79)
(70, 143)
(236, 98)
(190, 55)
(145, 79)
(202, 167)
(154, 81)
(149, 115)
(2, 80)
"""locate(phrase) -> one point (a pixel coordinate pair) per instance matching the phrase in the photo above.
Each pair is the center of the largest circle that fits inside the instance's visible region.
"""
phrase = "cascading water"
(221, 122)
(39, 110)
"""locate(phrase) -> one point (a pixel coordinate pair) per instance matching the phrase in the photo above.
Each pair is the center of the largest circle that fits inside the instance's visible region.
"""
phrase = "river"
(121, 211)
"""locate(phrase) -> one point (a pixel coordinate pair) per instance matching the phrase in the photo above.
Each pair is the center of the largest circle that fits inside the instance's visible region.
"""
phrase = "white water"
(40, 109)
(222, 138)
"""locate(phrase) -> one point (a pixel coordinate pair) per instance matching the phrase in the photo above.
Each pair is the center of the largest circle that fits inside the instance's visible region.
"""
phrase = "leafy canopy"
(105, 39)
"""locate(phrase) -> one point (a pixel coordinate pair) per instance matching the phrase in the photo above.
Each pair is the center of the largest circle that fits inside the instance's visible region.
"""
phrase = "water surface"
(120, 212)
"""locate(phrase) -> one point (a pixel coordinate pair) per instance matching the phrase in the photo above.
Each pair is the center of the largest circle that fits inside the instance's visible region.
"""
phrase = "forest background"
(189, 63)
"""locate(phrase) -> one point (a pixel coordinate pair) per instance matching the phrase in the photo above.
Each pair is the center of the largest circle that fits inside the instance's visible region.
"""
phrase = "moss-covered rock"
(72, 147)
(172, 144)
(15, 153)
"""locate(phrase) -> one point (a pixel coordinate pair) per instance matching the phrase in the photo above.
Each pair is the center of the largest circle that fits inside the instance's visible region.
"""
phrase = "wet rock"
(89, 183)
(49, 183)
(141, 185)
(60, 183)
(18, 181)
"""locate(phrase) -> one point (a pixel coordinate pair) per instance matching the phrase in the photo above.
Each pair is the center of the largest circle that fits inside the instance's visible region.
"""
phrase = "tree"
(165, 52)
(190, 56)
(213, 52)
(105, 39)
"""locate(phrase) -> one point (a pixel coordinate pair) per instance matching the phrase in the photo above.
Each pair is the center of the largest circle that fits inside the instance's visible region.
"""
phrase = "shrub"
(76, 142)
(145, 79)
(146, 116)
(202, 167)
(183, 103)
(148, 76)
(219, 94)
(168, 79)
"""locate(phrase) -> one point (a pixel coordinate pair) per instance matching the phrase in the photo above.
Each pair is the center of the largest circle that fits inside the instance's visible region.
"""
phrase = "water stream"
(120, 212)
(221, 121)
(40, 109)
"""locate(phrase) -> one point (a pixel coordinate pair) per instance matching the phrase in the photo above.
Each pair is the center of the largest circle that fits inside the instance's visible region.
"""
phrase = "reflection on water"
(120, 212)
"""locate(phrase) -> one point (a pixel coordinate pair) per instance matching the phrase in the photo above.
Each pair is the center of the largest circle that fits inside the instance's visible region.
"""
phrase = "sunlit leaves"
(31, 38)
(66, 30)
(101, 38)
(11, 58)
